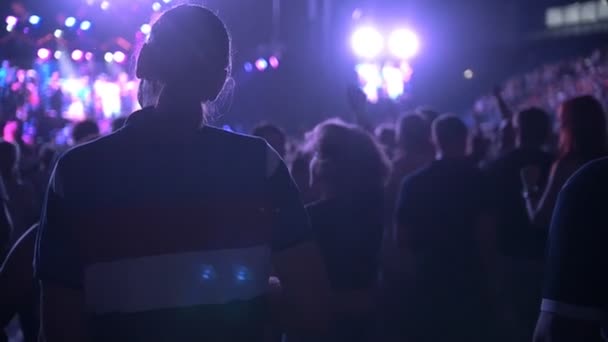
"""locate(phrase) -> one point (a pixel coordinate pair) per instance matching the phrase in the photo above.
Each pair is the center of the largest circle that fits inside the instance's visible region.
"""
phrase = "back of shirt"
(169, 237)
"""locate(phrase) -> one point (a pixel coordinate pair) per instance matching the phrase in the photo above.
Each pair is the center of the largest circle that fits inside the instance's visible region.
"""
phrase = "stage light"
(34, 19)
(403, 43)
(468, 74)
(274, 62)
(88, 56)
(119, 56)
(156, 7)
(261, 64)
(104, 5)
(70, 21)
(145, 29)
(357, 13)
(393, 80)
(10, 28)
(166, 1)
(108, 57)
(11, 20)
(57, 54)
(58, 33)
(44, 53)
(248, 67)
(367, 42)
(85, 25)
(77, 55)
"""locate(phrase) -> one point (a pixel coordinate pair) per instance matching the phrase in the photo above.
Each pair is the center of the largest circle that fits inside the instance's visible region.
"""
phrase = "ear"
(144, 63)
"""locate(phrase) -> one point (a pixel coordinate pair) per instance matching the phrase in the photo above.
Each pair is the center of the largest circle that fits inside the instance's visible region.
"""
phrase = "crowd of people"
(425, 229)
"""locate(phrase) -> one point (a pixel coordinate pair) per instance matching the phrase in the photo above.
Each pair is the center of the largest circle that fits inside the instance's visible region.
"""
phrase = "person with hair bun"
(173, 233)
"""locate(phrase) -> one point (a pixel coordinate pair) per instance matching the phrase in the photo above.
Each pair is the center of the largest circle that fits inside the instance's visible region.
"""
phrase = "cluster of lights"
(262, 64)
(118, 57)
(388, 78)
(79, 55)
(11, 22)
(368, 43)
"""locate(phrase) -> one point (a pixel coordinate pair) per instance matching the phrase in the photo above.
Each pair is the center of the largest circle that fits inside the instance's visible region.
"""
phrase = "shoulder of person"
(591, 176)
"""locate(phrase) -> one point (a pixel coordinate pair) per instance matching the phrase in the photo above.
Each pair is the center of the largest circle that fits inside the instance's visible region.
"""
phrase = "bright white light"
(57, 54)
(10, 28)
(156, 6)
(85, 25)
(403, 44)
(104, 5)
(34, 19)
(367, 42)
(119, 56)
(468, 74)
(145, 29)
(393, 80)
(77, 55)
(11, 20)
(166, 1)
(261, 64)
(58, 33)
(70, 21)
(108, 57)
(43, 53)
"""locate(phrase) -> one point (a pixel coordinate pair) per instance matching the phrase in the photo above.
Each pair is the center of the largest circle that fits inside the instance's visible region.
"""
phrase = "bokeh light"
(11, 20)
(261, 64)
(403, 43)
(367, 42)
(145, 29)
(10, 28)
(104, 5)
(248, 67)
(357, 14)
(393, 81)
(166, 1)
(70, 21)
(119, 56)
(156, 6)
(58, 33)
(274, 62)
(34, 20)
(88, 56)
(77, 55)
(468, 74)
(43, 53)
(85, 25)
(57, 54)
(108, 57)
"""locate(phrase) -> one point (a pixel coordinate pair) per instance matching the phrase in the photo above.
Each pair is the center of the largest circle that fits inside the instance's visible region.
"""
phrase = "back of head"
(533, 127)
(347, 159)
(273, 135)
(583, 131)
(84, 131)
(186, 60)
(450, 135)
(413, 133)
(9, 158)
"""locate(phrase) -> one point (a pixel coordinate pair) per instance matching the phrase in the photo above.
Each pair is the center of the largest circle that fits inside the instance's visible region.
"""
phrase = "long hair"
(583, 132)
(347, 160)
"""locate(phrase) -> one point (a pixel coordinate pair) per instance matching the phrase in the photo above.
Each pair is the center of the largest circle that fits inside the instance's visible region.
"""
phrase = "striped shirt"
(169, 236)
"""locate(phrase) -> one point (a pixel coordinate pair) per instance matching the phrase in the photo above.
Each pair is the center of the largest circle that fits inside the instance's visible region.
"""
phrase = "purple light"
(274, 62)
(88, 56)
(11, 20)
(248, 67)
(119, 56)
(261, 64)
(77, 55)
(43, 53)
(104, 5)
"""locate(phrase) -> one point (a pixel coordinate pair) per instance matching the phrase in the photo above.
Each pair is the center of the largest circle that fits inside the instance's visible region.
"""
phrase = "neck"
(181, 107)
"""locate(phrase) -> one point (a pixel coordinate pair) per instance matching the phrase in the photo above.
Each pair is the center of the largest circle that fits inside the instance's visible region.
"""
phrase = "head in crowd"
(185, 62)
(532, 126)
(428, 114)
(273, 135)
(413, 134)
(450, 137)
(118, 123)
(386, 135)
(346, 160)
(47, 156)
(84, 131)
(9, 160)
(582, 133)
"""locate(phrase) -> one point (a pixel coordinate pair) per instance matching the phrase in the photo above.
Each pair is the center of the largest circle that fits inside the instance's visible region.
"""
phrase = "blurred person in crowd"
(84, 131)
(387, 137)
(168, 206)
(300, 171)
(583, 136)
(445, 232)
(575, 292)
(520, 244)
(21, 197)
(350, 170)
(13, 132)
(274, 136)
(506, 135)
(54, 95)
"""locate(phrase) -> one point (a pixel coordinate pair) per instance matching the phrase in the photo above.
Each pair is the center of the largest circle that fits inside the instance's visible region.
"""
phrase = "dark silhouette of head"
(413, 134)
(84, 131)
(47, 156)
(9, 159)
(184, 63)
(118, 123)
(532, 127)
(582, 133)
(386, 135)
(450, 136)
(346, 160)
(273, 135)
